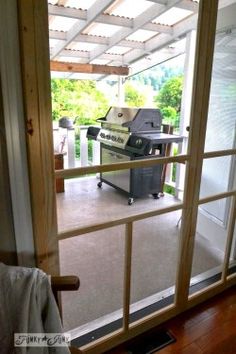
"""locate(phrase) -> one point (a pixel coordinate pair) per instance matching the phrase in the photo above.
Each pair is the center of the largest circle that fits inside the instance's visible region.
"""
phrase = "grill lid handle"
(101, 119)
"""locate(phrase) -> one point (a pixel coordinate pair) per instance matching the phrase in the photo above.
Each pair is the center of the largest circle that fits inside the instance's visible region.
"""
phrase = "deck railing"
(65, 143)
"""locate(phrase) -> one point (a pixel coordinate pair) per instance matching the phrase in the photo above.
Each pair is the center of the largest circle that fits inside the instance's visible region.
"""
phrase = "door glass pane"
(221, 125)
(154, 262)
(218, 174)
(217, 177)
(97, 259)
(209, 247)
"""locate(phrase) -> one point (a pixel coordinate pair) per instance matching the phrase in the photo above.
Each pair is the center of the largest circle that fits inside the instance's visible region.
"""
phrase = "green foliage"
(170, 115)
(169, 100)
(169, 189)
(156, 76)
(78, 99)
(134, 96)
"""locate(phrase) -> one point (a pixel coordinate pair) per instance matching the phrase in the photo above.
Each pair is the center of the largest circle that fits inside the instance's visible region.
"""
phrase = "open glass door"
(215, 210)
(112, 238)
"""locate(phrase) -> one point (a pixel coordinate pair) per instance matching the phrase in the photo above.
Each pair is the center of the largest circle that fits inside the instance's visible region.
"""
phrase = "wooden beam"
(88, 68)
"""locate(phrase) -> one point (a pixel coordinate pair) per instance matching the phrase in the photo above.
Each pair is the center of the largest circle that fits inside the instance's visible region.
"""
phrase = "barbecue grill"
(130, 134)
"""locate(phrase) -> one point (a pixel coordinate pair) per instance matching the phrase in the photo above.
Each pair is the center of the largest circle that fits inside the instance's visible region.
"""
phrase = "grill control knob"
(139, 142)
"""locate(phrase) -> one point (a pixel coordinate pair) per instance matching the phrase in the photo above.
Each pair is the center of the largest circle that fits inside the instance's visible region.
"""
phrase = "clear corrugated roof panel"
(102, 29)
(52, 2)
(172, 16)
(81, 46)
(141, 35)
(77, 4)
(72, 59)
(80, 4)
(58, 23)
(129, 8)
(181, 44)
(100, 61)
(53, 42)
(118, 50)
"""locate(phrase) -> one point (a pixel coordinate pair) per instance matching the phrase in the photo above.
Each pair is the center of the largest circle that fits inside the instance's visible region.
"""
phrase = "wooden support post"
(34, 47)
(59, 165)
(127, 274)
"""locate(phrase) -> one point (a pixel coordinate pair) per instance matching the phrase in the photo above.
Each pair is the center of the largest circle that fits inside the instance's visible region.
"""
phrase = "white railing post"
(71, 147)
(96, 152)
(96, 155)
(83, 145)
(169, 169)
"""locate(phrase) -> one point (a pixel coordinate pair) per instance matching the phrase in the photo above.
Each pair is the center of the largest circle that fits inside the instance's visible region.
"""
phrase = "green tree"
(168, 100)
(80, 100)
(134, 96)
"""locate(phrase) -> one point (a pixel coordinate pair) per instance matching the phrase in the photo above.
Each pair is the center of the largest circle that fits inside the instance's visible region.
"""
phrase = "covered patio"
(112, 38)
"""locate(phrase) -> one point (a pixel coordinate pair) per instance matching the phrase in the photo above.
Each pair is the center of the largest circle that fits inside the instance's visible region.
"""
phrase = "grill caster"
(155, 196)
(130, 201)
(99, 184)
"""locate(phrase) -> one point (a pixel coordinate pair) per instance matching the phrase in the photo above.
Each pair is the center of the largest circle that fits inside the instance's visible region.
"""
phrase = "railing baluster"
(83, 146)
(96, 152)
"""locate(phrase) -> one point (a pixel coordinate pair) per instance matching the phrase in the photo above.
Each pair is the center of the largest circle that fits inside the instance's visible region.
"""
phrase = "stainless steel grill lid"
(132, 119)
(133, 129)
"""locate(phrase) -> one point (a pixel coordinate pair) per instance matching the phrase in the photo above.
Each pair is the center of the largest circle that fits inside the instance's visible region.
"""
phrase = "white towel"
(27, 305)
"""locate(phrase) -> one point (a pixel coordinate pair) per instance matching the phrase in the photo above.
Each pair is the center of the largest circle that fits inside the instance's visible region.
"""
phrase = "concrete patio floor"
(84, 204)
(98, 257)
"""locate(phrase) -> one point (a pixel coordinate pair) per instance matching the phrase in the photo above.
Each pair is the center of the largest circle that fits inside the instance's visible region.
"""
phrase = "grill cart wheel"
(99, 184)
(155, 196)
(130, 201)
